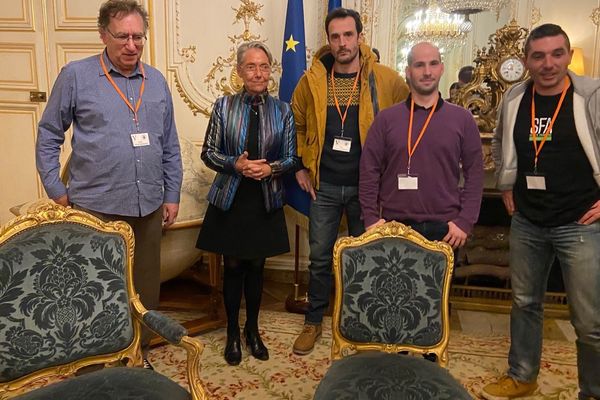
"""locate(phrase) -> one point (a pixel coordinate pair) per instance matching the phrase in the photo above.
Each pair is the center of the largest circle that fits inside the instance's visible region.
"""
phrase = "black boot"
(233, 349)
(255, 344)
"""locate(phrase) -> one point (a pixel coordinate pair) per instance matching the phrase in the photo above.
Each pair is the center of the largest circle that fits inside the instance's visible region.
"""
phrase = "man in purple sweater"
(411, 162)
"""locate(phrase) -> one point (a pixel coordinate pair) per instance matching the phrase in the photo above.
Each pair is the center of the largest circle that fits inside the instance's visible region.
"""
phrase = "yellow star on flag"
(291, 44)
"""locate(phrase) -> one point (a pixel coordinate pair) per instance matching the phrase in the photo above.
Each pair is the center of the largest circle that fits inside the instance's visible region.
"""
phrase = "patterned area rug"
(474, 361)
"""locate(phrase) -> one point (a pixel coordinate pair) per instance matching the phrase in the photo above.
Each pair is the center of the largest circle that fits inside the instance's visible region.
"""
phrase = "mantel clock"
(497, 68)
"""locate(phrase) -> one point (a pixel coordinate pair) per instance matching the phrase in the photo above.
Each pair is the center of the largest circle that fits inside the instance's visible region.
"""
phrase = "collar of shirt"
(440, 103)
(254, 99)
(110, 67)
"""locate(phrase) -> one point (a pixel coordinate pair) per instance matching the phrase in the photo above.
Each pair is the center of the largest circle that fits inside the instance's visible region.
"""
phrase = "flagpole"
(293, 62)
(295, 302)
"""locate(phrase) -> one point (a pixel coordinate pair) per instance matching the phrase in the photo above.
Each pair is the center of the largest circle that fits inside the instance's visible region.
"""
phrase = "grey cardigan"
(586, 110)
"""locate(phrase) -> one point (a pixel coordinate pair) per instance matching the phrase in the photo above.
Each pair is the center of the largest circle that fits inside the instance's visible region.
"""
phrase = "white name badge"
(342, 144)
(536, 182)
(408, 182)
(140, 139)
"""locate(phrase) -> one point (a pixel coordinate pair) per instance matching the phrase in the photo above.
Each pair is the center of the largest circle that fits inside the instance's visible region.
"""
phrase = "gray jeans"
(532, 252)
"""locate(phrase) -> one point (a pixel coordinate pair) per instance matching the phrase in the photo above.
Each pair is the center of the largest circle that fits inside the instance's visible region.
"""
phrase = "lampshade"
(577, 61)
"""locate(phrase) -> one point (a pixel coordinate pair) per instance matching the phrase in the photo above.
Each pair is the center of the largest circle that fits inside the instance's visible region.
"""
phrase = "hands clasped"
(255, 169)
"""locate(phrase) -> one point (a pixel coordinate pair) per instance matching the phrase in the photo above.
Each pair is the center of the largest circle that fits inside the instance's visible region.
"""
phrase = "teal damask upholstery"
(62, 297)
(112, 384)
(392, 293)
(392, 288)
(68, 305)
(374, 375)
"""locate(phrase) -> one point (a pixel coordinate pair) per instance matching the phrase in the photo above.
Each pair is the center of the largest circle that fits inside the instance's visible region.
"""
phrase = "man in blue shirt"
(126, 162)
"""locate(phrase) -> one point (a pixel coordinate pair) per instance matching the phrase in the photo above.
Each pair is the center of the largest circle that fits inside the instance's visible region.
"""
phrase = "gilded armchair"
(392, 288)
(67, 302)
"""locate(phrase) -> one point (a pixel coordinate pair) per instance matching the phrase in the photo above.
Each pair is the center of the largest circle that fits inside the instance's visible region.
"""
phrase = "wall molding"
(22, 22)
(30, 82)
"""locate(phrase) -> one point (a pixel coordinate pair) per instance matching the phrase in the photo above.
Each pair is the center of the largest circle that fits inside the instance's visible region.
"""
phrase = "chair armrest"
(176, 334)
(167, 328)
(194, 348)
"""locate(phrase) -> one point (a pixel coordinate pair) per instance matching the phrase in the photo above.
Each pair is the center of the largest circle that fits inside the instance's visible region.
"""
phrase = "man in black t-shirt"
(546, 150)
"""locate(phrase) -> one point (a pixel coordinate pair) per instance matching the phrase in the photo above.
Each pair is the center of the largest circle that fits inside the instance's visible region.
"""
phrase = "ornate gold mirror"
(497, 68)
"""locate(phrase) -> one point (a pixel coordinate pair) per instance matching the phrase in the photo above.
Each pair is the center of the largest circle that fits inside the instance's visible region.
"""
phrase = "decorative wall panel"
(16, 15)
(203, 56)
(75, 14)
(67, 52)
(18, 175)
(18, 67)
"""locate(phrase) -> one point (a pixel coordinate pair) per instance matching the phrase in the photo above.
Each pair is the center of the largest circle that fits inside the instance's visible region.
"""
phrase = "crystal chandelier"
(433, 25)
(430, 24)
(471, 6)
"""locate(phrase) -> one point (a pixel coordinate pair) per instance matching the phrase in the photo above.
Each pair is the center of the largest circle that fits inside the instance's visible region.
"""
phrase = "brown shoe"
(507, 388)
(305, 342)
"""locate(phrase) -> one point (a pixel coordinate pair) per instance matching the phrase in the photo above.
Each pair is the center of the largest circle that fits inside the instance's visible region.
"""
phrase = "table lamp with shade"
(577, 61)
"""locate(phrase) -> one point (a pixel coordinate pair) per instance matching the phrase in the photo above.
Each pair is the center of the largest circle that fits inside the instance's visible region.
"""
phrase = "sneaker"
(506, 388)
(305, 342)
(146, 364)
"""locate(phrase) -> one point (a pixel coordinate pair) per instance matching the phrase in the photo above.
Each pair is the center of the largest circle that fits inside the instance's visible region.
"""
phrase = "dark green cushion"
(112, 384)
(381, 376)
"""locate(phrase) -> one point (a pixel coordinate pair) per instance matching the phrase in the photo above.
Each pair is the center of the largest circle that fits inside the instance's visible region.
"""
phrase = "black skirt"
(246, 230)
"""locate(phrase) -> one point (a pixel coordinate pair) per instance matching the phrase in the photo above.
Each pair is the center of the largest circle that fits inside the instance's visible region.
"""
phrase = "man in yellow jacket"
(334, 104)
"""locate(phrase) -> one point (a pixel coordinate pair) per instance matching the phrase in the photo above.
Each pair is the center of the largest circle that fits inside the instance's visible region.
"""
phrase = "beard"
(346, 58)
(424, 91)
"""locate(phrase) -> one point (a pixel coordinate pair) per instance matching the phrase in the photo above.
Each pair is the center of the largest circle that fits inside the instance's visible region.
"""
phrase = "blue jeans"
(532, 252)
(325, 216)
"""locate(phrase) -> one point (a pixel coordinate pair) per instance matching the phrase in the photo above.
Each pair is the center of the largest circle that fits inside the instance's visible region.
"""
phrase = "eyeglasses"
(123, 38)
(253, 68)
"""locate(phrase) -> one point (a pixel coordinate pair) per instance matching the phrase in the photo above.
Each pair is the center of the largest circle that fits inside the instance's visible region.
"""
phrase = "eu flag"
(293, 63)
(293, 59)
(333, 4)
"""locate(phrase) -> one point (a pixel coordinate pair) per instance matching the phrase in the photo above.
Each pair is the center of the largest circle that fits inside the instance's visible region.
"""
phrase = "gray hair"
(244, 47)
(114, 8)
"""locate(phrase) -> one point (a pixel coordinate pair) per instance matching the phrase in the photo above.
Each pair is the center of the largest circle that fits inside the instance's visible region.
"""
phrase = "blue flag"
(293, 63)
(293, 59)
(334, 4)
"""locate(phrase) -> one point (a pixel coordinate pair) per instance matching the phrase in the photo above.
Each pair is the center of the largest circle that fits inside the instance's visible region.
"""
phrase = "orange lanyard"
(335, 99)
(112, 82)
(409, 145)
(538, 149)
